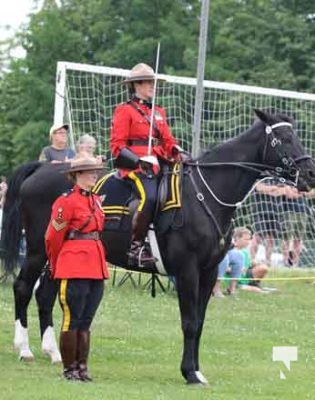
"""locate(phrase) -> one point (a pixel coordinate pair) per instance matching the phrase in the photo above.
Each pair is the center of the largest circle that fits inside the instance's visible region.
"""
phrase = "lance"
(153, 99)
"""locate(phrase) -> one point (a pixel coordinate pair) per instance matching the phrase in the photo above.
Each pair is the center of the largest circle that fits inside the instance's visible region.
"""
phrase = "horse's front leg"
(188, 294)
(207, 279)
(46, 294)
(22, 288)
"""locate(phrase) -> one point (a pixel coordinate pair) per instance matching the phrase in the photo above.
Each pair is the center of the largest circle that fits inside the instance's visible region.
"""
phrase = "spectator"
(293, 219)
(77, 261)
(58, 151)
(87, 144)
(266, 219)
(252, 272)
(233, 262)
(3, 190)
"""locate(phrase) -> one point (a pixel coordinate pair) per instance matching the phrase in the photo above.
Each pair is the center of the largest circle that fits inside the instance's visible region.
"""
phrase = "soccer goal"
(86, 96)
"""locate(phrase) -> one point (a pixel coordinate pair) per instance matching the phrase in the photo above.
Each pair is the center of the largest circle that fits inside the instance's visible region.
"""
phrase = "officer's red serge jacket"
(129, 125)
(78, 258)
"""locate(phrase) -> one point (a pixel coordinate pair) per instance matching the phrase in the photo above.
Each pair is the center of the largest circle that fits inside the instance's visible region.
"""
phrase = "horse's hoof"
(49, 345)
(56, 359)
(196, 378)
(55, 356)
(26, 356)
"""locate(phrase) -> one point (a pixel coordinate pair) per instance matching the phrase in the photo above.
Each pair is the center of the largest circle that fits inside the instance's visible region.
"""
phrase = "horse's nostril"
(311, 173)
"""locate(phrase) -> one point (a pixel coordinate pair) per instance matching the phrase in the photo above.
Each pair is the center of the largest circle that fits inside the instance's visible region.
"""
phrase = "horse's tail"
(11, 231)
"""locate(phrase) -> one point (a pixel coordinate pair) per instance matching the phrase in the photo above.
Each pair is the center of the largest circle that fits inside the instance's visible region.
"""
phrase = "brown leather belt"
(143, 142)
(75, 235)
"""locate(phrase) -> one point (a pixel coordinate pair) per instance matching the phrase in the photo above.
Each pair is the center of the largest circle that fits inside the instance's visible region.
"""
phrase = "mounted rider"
(130, 135)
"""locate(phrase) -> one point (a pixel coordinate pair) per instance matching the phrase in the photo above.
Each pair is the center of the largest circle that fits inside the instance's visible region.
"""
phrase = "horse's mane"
(216, 147)
(225, 145)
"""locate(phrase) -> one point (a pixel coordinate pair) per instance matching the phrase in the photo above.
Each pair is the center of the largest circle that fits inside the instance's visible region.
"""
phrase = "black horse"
(212, 188)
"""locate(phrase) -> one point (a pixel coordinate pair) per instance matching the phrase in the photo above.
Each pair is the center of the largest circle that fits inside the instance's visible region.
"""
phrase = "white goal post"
(86, 96)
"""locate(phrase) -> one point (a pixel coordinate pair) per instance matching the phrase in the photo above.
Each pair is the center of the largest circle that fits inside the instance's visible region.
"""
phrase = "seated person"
(58, 151)
(252, 272)
(233, 262)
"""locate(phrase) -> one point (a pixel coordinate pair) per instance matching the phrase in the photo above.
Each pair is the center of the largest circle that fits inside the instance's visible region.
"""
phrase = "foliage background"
(267, 43)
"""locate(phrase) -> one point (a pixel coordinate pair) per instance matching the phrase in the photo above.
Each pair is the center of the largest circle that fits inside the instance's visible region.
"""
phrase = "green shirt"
(247, 264)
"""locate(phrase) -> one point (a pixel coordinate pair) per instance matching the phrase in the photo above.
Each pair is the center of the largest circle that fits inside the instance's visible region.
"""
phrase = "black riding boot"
(137, 253)
(68, 350)
(83, 354)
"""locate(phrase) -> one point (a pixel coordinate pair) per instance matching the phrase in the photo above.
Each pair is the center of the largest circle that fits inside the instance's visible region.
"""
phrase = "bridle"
(289, 164)
(289, 167)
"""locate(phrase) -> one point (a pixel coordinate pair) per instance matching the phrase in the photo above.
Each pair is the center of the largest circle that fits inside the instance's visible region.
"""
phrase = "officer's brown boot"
(83, 350)
(137, 253)
(68, 350)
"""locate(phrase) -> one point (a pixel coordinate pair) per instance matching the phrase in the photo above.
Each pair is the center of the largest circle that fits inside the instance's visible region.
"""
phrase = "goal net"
(86, 96)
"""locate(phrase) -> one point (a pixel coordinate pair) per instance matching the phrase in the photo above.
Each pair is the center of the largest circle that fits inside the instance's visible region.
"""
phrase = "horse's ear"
(262, 115)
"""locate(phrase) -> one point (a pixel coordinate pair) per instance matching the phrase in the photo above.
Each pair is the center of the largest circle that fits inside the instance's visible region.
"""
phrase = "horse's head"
(283, 150)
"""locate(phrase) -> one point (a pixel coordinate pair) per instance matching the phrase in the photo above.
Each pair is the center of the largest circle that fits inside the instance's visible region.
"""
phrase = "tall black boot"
(68, 350)
(83, 350)
(137, 253)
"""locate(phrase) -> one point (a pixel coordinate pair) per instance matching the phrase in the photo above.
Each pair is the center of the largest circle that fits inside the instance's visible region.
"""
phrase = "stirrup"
(139, 254)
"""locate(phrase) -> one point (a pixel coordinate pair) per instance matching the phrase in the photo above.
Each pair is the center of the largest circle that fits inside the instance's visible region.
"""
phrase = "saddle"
(119, 203)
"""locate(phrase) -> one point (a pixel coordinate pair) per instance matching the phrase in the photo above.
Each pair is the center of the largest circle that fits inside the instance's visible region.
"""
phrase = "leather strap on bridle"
(201, 199)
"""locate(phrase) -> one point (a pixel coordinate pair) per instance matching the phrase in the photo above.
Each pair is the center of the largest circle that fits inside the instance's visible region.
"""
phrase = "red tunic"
(128, 124)
(78, 258)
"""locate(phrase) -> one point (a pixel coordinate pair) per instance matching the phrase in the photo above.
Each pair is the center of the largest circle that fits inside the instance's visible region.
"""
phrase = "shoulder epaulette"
(67, 193)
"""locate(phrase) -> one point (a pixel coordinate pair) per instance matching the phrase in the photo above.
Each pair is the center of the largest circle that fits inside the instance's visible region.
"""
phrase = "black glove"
(126, 159)
(184, 157)
(180, 154)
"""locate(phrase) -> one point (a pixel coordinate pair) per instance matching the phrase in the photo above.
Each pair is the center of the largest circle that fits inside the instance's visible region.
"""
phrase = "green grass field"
(137, 344)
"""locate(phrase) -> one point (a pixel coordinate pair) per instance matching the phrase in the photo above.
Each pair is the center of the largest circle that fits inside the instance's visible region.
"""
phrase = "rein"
(201, 199)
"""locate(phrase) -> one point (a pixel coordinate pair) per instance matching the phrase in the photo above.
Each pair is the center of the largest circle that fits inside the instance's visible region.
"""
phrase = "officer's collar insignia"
(142, 101)
(85, 192)
(59, 223)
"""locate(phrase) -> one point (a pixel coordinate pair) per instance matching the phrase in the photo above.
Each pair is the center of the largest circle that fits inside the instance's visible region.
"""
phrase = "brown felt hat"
(141, 72)
(84, 163)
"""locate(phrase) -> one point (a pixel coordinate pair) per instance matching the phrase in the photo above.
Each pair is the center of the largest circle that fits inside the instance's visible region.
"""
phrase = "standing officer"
(77, 260)
(129, 144)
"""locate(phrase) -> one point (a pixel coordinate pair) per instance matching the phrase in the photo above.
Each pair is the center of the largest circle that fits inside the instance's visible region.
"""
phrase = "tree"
(259, 42)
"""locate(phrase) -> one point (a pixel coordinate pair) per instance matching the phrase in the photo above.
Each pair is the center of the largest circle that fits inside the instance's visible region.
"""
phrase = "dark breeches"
(79, 300)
